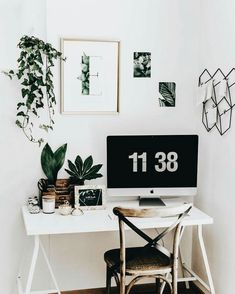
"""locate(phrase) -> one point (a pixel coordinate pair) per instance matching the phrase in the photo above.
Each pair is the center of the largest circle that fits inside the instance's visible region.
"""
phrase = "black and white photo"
(142, 65)
(167, 94)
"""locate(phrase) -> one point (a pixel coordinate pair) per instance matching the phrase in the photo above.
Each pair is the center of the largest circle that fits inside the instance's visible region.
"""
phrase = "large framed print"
(89, 76)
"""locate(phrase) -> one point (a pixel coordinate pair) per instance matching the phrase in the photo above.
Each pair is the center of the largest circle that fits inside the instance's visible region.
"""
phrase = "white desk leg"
(205, 259)
(37, 245)
(49, 267)
(181, 261)
(33, 264)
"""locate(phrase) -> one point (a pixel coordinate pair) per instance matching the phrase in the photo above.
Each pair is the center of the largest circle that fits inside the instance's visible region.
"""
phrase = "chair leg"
(108, 280)
(174, 281)
(158, 286)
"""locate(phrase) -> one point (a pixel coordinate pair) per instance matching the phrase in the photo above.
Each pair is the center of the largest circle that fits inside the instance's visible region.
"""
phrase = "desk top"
(102, 220)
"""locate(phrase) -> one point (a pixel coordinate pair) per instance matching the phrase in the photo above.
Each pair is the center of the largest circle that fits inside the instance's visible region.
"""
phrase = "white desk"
(102, 221)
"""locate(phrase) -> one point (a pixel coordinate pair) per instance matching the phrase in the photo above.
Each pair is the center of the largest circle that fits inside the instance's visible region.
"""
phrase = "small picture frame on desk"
(90, 197)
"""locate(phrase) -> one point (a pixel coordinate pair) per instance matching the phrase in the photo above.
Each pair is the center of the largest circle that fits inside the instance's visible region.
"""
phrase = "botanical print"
(89, 79)
(167, 92)
(90, 82)
(85, 75)
(142, 65)
(90, 197)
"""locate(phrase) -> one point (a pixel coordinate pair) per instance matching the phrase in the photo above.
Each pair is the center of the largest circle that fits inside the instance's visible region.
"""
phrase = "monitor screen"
(151, 163)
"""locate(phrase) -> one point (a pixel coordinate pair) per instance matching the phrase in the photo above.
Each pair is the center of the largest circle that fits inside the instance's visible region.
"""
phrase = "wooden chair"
(152, 260)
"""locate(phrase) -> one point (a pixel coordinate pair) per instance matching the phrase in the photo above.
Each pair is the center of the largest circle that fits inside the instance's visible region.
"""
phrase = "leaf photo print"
(142, 65)
(167, 94)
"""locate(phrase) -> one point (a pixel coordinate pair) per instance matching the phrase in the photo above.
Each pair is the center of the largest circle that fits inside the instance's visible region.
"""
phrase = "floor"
(182, 290)
(147, 289)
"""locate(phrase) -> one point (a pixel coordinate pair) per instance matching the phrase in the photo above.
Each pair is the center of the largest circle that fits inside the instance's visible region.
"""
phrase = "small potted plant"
(51, 163)
(80, 171)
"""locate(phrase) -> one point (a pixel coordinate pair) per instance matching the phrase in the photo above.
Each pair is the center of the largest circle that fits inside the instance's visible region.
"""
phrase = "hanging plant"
(35, 75)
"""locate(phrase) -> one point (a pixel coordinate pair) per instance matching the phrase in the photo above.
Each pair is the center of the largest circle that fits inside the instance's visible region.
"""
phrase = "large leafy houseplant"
(52, 162)
(34, 72)
(80, 171)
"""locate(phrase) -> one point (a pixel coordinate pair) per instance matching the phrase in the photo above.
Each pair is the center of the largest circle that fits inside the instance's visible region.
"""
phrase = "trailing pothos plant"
(35, 75)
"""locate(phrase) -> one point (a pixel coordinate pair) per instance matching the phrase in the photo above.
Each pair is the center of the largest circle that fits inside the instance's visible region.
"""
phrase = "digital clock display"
(152, 161)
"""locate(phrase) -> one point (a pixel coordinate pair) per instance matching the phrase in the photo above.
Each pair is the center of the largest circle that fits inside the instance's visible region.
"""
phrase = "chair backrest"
(152, 212)
(178, 211)
(124, 215)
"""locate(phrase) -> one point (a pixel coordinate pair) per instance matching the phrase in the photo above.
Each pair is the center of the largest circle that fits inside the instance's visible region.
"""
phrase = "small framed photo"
(90, 196)
(90, 77)
(142, 65)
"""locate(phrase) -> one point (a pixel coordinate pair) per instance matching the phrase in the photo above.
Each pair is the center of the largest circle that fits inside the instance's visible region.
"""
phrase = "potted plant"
(80, 171)
(34, 72)
(51, 163)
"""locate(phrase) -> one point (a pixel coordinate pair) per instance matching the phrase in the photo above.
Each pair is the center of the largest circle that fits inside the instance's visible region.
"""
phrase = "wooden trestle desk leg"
(37, 245)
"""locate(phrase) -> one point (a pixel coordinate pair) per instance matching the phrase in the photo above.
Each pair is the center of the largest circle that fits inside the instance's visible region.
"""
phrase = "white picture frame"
(90, 76)
(90, 197)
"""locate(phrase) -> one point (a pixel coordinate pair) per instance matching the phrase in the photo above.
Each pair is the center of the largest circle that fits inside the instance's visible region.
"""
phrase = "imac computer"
(152, 166)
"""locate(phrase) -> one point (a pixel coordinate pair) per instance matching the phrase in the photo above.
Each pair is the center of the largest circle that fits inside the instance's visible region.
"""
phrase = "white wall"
(216, 175)
(154, 26)
(19, 160)
(166, 28)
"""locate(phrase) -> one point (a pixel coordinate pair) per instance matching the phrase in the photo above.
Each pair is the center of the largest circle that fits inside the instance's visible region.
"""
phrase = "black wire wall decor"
(223, 105)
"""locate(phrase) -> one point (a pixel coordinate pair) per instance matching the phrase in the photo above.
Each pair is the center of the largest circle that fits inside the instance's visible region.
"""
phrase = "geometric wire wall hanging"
(216, 98)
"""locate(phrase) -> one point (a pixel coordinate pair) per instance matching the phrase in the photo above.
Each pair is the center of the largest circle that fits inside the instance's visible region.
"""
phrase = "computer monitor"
(147, 166)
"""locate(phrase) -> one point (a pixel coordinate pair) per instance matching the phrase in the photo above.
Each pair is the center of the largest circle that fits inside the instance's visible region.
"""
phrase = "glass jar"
(48, 204)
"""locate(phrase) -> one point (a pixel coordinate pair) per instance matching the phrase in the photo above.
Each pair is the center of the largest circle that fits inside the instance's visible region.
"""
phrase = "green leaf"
(73, 168)
(52, 162)
(59, 157)
(44, 127)
(47, 163)
(39, 81)
(70, 172)
(87, 164)
(19, 124)
(40, 141)
(20, 104)
(24, 92)
(39, 58)
(20, 74)
(33, 88)
(93, 170)
(21, 113)
(93, 176)
(25, 82)
(79, 164)
(34, 112)
(30, 99)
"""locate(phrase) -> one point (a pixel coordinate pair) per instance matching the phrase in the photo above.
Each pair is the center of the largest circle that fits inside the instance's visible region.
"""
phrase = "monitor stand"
(151, 201)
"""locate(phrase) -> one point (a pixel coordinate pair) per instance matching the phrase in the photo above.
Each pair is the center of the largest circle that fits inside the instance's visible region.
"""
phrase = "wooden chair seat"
(140, 260)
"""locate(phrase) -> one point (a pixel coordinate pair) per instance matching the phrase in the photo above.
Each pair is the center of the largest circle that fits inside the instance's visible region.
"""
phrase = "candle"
(48, 203)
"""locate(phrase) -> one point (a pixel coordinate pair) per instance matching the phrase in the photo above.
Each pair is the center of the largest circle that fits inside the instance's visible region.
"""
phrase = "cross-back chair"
(152, 260)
